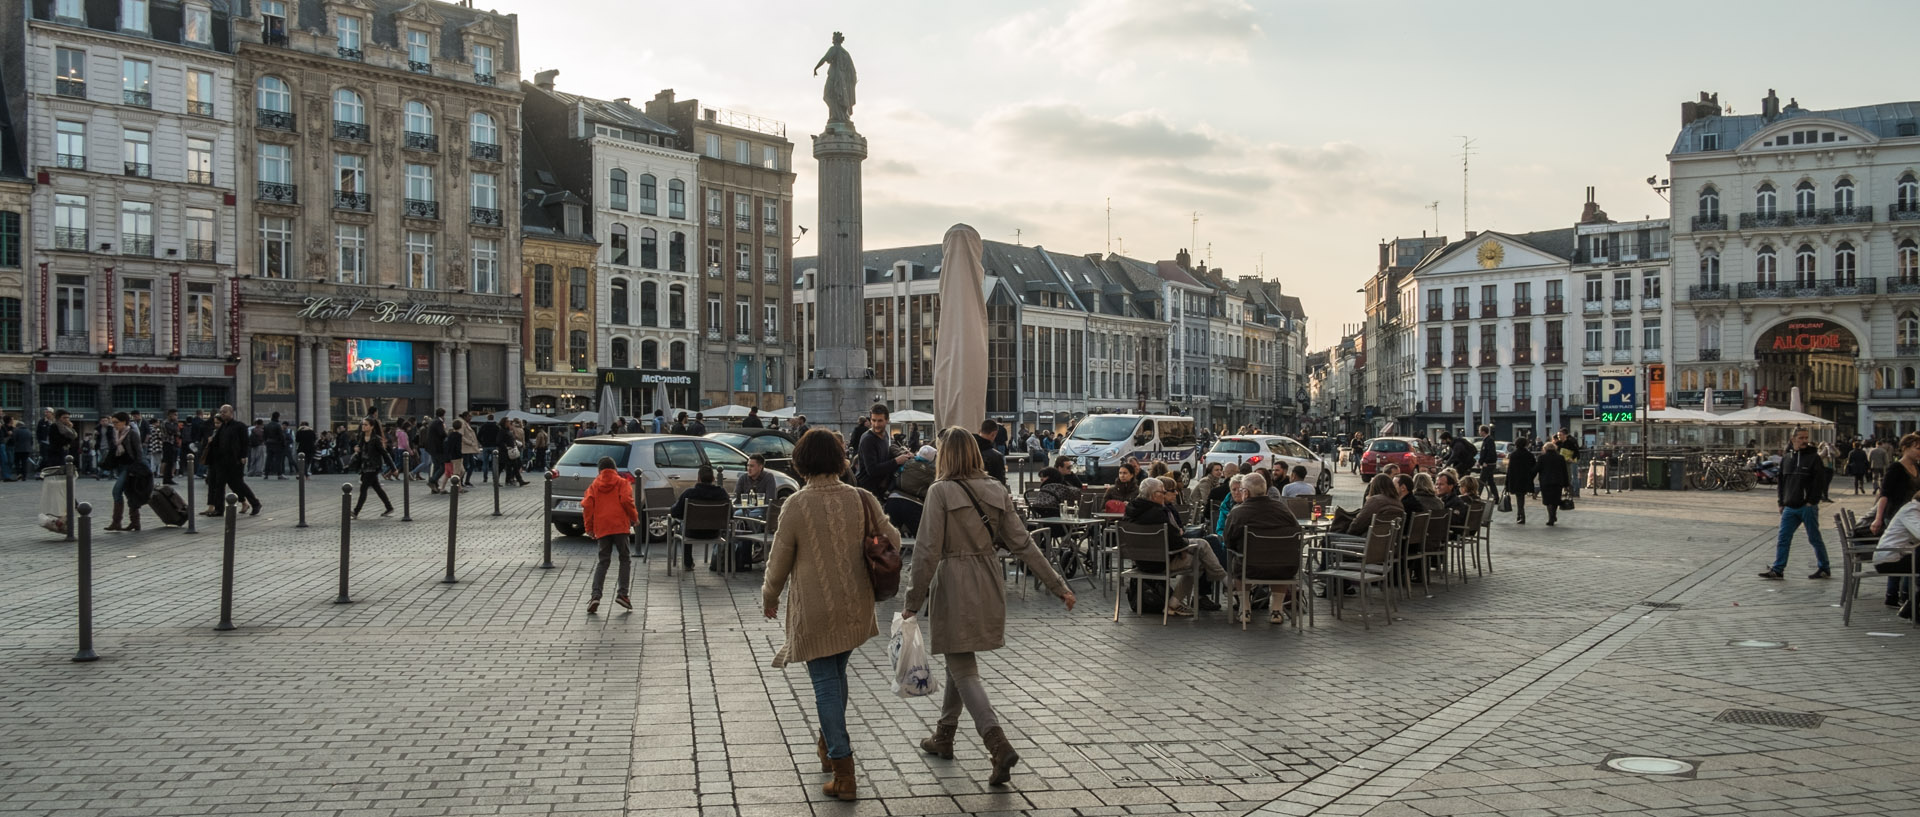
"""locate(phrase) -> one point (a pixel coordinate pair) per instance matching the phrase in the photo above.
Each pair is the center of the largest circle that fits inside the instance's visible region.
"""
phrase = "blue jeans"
(1790, 518)
(830, 698)
(119, 485)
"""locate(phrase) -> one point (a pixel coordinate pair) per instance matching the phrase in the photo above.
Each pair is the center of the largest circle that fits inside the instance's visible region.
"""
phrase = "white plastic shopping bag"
(912, 666)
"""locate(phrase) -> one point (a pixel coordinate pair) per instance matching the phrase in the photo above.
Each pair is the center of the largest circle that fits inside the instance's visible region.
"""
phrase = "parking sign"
(1617, 386)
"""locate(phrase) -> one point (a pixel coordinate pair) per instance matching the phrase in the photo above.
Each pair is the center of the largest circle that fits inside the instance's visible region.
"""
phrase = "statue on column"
(840, 82)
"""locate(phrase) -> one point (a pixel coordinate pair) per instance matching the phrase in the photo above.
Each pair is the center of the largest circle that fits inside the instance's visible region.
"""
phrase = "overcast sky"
(1303, 133)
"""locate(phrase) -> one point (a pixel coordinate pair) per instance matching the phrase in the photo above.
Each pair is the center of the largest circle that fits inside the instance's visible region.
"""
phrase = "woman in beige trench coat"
(956, 576)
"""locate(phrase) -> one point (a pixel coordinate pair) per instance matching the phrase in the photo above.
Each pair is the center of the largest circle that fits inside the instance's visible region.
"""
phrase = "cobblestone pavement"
(1608, 635)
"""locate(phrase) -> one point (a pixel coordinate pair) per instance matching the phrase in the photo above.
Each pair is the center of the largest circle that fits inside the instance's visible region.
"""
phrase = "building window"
(10, 238)
(70, 145)
(69, 10)
(347, 30)
(133, 15)
(273, 21)
(350, 243)
(70, 222)
(649, 248)
(617, 189)
(276, 247)
(619, 356)
(1803, 200)
(136, 315)
(714, 207)
(483, 64)
(617, 244)
(1709, 203)
(676, 307)
(421, 269)
(543, 350)
(136, 153)
(742, 151)
(1766, 267)
(136, 228)
(200, 92)
(769, 157)
(714, 324)
(617, 301)
(743, 257)
(770, 259)
(419, 118)
(484, 190)
(419, 56)
(677, 252)
(486, 266)
(1710, 336)
(649, 303)
(543, 286)
(1650, 335)
(770, 318)
(1766, 203)
(713, 146)
(1622, 335)
(136, 83)
(742, 315)
(276, 164)
(420, 183)
(1556, 384)
(1806, 266)
(70, 307)
(676, 199)
(273, 95)
(348, 107)
(1909, 329)
(1906, 194)
(577, 289)
(742, 211)
(649, 203)
(1907, 265)
(12, 329)
(677, 356)
(1846, 265)
(713, 254)
(1595, 288)
(1487, 334)
(1650, 284)
(1843, 196)
(577, 350)
(201, 241)
(1594, 336)
(1710, 268)
(70, 72)
(1622, 286)
(484, 130)
(350, 174)
(649, 354)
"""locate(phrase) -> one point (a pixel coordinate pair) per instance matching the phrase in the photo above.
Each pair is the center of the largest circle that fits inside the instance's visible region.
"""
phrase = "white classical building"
(1624, 278)
(1797, 252)
(130, 111)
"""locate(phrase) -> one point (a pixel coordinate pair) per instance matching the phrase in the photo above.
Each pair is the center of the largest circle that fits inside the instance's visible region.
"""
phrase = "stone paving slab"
(499, 695)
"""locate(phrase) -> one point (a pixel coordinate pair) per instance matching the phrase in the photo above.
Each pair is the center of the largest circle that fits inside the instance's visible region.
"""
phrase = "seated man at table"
(702, 491)
(1065, 466)
(1151, 508)
(1263, 515)
(756, 479)
(1299, 486)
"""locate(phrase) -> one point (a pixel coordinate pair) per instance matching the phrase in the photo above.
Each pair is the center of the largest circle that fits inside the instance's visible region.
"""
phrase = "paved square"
(1607, 636)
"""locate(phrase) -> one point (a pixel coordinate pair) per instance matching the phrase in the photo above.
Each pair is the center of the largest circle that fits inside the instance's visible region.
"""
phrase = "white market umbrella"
(524, 417)
(911, 416)
(726, 412)
(609, 406)
(1707, 404)
(1769, 414)
(960, 344)
(779, 413)
(1793, 401)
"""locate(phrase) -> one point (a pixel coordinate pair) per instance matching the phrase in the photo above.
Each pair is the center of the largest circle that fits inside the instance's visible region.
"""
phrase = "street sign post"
(1618, 389)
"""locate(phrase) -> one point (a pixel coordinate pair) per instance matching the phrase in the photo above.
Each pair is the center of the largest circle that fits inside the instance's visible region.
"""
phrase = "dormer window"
(347, 29)
(273, 22)
(570, 219)
(199, 25)
(419, 54)
(133, 15)
(69, 10)
(483, 64)
(1709, 141)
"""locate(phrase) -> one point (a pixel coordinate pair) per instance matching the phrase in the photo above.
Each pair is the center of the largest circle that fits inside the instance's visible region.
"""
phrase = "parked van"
(1101, 442)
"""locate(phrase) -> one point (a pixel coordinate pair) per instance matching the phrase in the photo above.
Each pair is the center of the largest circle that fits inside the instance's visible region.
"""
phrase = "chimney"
(1709, 105)
(1183, 259)
(1471, 234)
(661, 106)
(1383, 254)
(544, 80)
(1770, 106)
(625, 100)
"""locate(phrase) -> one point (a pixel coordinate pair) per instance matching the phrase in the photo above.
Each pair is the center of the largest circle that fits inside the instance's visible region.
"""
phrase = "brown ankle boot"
(119, 507)
(134, 513)
(842, 785)
(1004, 757)
(825, 764)
(940, 743)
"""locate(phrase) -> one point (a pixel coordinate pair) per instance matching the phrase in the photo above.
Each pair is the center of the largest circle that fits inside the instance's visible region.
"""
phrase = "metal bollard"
(226, 566)
(498, 463)
(346, 539)
(302, 476)
(639, 525)
(406, 486)
(85, 652)
(453, 525)
(546, 528)
(70, 473)
(193, 510)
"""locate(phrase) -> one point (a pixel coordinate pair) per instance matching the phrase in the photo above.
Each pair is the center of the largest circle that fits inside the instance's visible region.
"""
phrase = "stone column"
(322, 385)
(303, 400)
(443, 378)
(1865, 370)
(513, 378)
(844, 389)
(242, 397)
(460, 401)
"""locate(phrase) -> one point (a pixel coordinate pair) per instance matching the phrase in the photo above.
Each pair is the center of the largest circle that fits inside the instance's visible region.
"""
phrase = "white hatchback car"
(1271, 451)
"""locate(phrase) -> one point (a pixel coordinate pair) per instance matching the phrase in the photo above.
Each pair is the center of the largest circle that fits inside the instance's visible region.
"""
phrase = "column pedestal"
(303, 400)
(513, 379)
(443, 379)
(460, 400)
(322, 385)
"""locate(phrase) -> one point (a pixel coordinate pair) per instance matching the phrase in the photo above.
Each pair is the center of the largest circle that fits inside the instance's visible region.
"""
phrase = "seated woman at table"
(1125, 487)
(1383, 502)
(1895, 551)
(1052, 494)
(1460, 494)
(909, 492)
(1236, 494)
(702, 491)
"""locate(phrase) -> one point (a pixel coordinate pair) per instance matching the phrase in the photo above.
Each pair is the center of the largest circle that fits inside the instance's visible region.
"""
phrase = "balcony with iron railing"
(70, 161)
(357, 202)
(1893, 394)
(1489, 357)
(1522, 355)
(136, 245)
(1593, 307)
(1709, 354)
(770, 339)
(200, 348)
(352, 131)
(1461, 311)
(1556, 306)
(1829, 288)
(1459, 357)
(742, 337)
(484, 151)
(64, 86)
(72, 344)
(742, 225)
(1592, 356)
(770, 227)
(771, 277)
(1522, 307)
(200, 108)
(485, 216)
(201, 250)
(713, 271)
(1436, 360)
(1709, 292)
(1623, 355)
(1489, 309)
(1622, 305)
(70, 238)
(138, 99)
(421, 208)
(354, 54)
(200, 177)
(1906, 349)
(277, 192)
(1556, 354)
(742, 274)
(1650, 303)
(1786, 219)
(1650, 355)
(419, 67)
(484, 79)
(1903, 211)
(427, 142)
(713, 333)
(138, 347)
(713, 218)
(138, 170)
(1903, 286)
(277, 120)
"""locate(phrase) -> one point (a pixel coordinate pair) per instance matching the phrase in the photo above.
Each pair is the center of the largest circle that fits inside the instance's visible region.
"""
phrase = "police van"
(1101, 442)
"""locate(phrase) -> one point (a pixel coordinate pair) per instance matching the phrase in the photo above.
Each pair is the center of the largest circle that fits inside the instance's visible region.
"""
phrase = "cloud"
(1070, 131)
(893, 167)
(1332, 156)
(1235, 180)
(1118, 30)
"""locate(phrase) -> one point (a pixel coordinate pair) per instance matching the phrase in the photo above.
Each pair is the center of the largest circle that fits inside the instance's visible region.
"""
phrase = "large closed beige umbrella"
(960, 345)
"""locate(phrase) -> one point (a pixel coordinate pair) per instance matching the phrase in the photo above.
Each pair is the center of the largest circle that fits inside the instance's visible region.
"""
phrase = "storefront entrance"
(642, 391)
(1816, 356)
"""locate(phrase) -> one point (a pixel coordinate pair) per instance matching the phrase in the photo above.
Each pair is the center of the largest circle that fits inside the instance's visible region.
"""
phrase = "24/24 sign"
(1617, 386)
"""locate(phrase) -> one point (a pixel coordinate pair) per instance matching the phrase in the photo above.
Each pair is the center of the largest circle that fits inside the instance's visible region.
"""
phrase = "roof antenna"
(1193, 238)
(1435, 207)
(1109, 225)
(1466, 154)
(1016, 237)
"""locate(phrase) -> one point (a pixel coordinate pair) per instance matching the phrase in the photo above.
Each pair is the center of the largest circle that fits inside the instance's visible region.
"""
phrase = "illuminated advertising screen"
(379, 361)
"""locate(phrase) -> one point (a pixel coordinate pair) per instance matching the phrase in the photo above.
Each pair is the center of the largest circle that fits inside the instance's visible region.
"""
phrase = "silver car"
(661, 460)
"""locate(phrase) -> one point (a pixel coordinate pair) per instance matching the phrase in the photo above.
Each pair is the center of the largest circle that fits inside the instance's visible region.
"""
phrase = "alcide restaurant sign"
(413, 312)
(1810, 336)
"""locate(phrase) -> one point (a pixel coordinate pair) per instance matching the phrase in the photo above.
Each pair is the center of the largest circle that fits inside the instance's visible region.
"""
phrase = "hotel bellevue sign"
(409, 312)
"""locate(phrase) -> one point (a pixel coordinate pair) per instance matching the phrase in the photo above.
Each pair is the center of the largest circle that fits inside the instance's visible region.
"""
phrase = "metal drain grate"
(1173, 760)
(1661, 605)
(1761, 717)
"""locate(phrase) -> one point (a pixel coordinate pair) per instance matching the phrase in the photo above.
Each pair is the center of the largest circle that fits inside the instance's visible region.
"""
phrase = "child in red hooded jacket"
(608, 513)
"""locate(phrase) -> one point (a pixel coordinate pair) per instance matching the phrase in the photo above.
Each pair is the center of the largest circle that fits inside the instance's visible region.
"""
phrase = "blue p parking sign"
(1617, 396)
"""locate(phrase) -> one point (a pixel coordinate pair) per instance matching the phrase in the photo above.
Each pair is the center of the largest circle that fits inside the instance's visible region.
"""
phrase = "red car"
(1410, 453)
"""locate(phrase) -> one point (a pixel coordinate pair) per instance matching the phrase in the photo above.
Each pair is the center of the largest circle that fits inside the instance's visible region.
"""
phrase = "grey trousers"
(610, 545)
(964, 686)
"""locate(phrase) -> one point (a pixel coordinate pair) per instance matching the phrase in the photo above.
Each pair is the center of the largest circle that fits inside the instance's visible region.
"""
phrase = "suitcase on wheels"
(169, 505)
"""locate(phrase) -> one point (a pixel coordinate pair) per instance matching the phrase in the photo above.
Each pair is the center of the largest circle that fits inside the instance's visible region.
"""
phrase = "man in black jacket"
(1489, 462)
(227, 453)
(435, 440)
(1460, 453)
(307, 444)
(1803, 484)
(704, 490)
(487, 433)
(990, 453)
(875, 455)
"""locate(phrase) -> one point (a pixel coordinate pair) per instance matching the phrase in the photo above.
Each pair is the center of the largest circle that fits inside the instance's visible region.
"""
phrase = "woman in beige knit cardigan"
(957, 576)
(830, 606)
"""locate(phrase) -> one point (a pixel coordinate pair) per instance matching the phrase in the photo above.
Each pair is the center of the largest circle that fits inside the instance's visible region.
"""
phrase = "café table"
(1093, 526)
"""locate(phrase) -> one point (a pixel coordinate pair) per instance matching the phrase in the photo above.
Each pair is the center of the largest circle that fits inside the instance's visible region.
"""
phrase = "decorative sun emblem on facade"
(1491, 254)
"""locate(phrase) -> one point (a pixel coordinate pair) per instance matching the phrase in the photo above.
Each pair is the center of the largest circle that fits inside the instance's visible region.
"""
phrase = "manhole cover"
(1173, 760)
(1643, 764)
(1757, 644)
(1761, 717)
(1661, 605)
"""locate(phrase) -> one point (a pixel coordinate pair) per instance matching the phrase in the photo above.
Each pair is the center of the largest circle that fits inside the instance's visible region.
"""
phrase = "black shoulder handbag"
(993, 531)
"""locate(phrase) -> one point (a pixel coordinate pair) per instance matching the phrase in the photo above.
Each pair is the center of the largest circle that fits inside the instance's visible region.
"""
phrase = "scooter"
(1766, 471)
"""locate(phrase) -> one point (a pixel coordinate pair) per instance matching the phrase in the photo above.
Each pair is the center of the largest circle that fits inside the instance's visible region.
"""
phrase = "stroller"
(53, 499)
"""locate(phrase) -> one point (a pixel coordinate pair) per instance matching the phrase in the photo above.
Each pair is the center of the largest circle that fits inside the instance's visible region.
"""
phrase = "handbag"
(882, 555)
(1506, 503)
(1566, 504)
